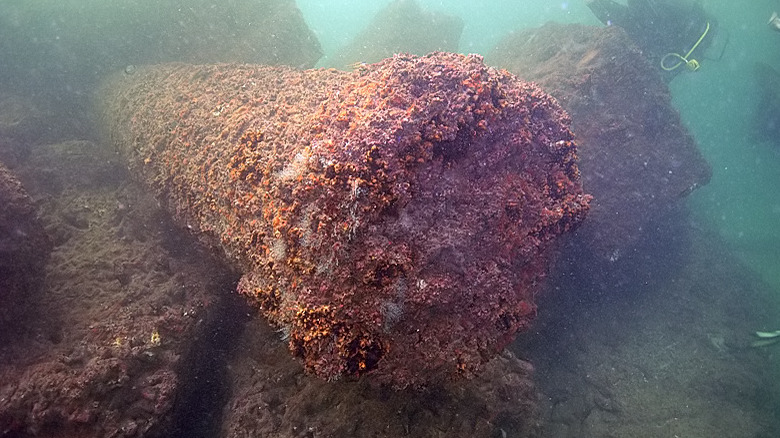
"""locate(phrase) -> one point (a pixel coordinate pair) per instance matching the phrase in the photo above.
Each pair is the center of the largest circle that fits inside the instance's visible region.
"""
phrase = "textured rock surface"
(24, 249)
(393, 220)
(101, 347)
(636, 157)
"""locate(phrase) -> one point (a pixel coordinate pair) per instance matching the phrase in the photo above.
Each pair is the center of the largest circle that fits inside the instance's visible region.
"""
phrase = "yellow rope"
(692, 64)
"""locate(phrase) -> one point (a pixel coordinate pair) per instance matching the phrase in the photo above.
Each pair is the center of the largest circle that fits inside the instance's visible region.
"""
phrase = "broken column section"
(395, 220)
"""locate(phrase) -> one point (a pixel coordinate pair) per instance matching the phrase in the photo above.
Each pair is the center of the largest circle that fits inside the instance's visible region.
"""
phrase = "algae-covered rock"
(393, 221)
(24, 249)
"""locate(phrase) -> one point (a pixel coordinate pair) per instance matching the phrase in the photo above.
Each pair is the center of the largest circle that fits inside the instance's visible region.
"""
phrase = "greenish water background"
(486, 21)
(742, 202)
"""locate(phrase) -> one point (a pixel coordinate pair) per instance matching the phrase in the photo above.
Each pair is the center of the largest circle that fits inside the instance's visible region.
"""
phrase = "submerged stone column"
(394, 220)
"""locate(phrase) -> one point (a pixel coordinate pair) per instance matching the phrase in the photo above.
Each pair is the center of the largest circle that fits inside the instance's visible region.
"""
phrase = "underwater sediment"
(395, 220)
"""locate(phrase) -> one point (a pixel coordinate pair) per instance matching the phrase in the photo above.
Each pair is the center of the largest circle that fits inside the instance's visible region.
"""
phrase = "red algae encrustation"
(392, 221)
